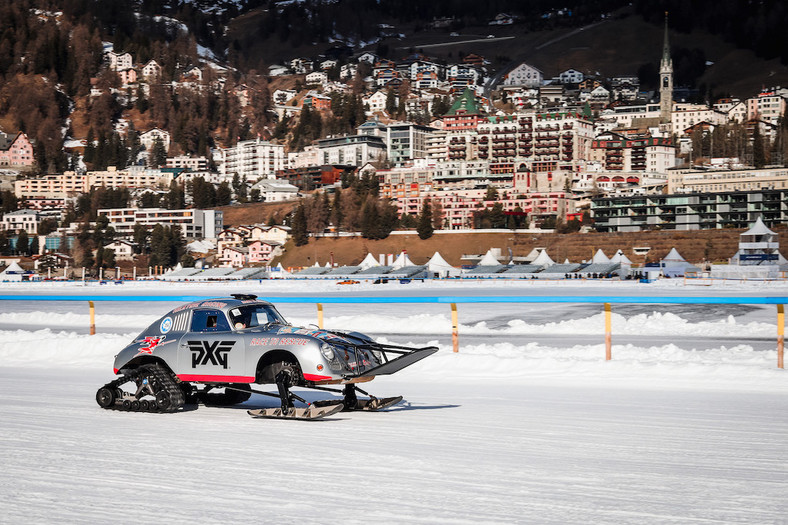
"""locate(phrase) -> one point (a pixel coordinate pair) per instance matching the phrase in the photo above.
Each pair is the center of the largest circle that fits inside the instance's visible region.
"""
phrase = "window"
(255, 315)
(209, 321)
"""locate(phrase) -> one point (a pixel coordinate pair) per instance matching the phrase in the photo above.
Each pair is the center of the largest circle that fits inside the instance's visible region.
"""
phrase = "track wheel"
(163, 400)
(106, 397)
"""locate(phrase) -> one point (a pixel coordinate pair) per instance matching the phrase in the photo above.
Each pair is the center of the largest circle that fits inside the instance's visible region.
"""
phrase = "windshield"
(252, 315)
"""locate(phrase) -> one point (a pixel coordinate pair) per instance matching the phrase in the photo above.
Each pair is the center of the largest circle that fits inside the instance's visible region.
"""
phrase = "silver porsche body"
(231, 340)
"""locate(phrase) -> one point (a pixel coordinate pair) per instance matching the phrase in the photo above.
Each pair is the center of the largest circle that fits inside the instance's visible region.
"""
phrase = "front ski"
(304, 414)
(369, 405)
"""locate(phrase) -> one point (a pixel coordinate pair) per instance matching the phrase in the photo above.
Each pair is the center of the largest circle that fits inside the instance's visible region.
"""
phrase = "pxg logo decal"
(210, 352)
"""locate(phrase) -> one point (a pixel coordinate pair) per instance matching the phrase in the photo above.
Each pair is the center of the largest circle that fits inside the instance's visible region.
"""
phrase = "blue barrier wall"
(425, 299)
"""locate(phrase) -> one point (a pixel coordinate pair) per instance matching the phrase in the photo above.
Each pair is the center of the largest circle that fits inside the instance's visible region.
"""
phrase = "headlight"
(327, 351)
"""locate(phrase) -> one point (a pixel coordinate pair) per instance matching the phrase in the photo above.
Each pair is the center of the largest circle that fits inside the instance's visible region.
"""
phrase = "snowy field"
(526, 424)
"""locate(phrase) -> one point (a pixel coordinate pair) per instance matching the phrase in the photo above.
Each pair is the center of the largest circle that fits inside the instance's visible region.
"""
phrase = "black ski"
(304, 414)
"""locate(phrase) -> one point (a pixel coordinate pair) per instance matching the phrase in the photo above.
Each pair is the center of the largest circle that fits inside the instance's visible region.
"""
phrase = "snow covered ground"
(527, 423)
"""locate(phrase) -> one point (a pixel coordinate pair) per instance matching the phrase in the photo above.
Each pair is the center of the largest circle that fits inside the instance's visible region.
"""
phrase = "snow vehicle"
(213, 351)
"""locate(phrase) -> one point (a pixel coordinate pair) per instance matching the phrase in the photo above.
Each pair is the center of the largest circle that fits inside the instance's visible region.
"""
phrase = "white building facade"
(253, 159)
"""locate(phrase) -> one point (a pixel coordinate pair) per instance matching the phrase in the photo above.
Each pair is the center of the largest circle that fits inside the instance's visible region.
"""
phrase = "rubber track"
(159, 379)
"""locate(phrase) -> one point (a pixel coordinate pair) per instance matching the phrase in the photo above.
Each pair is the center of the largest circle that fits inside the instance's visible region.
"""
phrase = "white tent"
(533, 255)
(759, 228)
(316, 265)
(438, 265)
(758, 246)
(621, 259)
(489, 259)
(279, 272)
(673, 256)
(543, 259)
(600, 257)
(328, 264)
(369, 262)
(402, 261)
(13, 272)
(674, 265)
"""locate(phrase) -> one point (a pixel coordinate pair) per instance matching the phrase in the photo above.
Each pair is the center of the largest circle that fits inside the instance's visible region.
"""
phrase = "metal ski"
(306, 414)
(376, 404)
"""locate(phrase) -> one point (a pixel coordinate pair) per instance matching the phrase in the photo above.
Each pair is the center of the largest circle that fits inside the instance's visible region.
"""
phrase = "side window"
(209, 321)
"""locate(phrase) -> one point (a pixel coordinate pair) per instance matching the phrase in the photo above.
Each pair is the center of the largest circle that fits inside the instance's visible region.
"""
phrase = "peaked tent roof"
(465, 104)
(13, 268)
(369, 261)
(600, 257)
(437, 262)
(674, 256)
(543, 259)
(489, 259)
(402, 261)
(533, 254)
(759, 228)
(620, 258)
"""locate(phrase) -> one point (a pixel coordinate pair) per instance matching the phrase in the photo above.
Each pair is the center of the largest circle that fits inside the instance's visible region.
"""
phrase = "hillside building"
(16, 151)
(524, 75)
(253, 159)
(690, 211)
(194, 223)
(351, 150)
(717, 181)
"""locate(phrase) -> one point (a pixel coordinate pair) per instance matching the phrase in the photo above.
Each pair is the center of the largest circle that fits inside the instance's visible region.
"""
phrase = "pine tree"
(5, 246)
(425, 228)
(176, 200)
(158, 154)
(140, 238)
(160, 246)
(224, 194)
(34, 246)
(336, 210)
(90, 147)
(298, 226)
(22, 243)
(758, 153)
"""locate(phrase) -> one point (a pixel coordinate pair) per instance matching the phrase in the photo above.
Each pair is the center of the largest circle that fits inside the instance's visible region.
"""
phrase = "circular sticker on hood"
(166, 325)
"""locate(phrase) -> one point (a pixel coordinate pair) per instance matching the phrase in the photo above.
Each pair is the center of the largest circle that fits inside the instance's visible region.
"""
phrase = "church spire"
(666, 80)
(666, 60)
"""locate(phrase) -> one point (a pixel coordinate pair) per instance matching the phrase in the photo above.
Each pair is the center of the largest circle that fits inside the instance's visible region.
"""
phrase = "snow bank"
(656, 323)
(733, 367)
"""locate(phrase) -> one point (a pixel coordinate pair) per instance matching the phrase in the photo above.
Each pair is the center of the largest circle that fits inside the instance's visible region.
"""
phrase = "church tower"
(665, 80)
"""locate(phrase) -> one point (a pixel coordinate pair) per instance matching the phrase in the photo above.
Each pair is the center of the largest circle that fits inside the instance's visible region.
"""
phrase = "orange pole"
(608, 334)
(92, 318)
(780, 334)
(455, 333)
(320, 316)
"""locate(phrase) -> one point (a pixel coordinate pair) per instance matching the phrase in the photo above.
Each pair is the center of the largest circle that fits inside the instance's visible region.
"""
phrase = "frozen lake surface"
(527, 423)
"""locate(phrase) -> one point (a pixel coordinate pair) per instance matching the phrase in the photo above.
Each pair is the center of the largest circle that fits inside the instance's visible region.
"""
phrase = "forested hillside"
(52, 54)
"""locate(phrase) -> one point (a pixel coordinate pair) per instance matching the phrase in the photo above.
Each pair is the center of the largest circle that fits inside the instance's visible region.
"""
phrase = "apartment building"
(254, 159)
(194, 223)
(690, 211)
(715, 181)
(27, 220)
